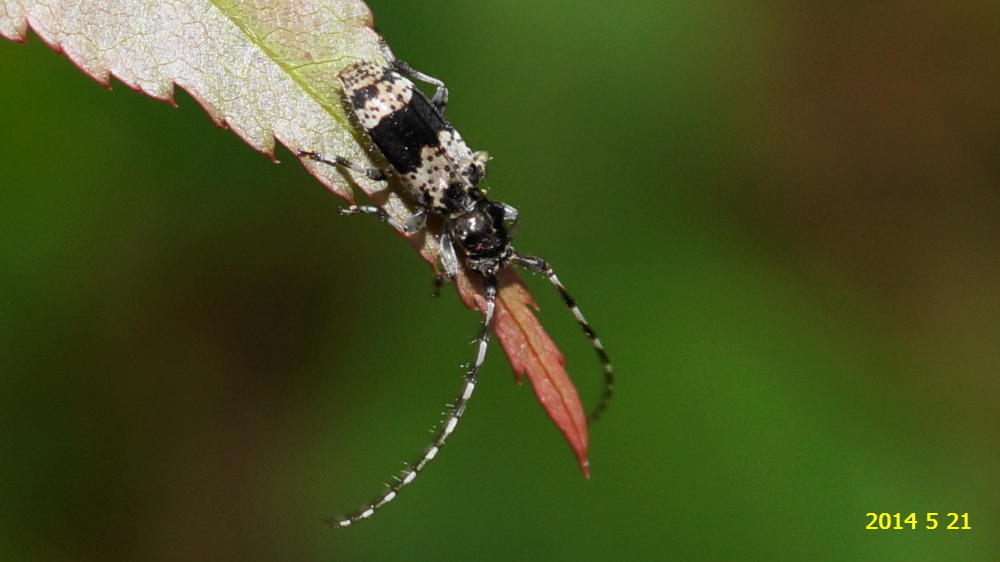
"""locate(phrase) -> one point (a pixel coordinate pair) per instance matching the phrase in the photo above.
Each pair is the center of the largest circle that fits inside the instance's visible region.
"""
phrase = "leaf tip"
(272, 154)
(532, 353)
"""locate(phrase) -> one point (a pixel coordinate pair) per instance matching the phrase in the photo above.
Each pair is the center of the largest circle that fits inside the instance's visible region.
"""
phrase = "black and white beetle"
(439, 172)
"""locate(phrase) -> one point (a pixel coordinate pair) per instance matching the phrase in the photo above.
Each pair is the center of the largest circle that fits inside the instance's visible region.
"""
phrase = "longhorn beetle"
(441, 174)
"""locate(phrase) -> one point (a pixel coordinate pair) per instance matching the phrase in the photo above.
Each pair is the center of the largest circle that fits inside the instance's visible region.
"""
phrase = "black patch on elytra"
(360, 97)
(401, 135)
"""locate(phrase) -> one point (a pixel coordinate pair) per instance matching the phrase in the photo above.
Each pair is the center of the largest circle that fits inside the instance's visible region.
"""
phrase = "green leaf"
(265, 69)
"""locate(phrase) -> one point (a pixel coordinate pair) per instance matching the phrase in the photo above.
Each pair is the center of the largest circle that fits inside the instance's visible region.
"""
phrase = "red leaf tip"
(533, 353)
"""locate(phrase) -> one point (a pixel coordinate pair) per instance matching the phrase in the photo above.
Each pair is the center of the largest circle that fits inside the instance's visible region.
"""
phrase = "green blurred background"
(782, 219)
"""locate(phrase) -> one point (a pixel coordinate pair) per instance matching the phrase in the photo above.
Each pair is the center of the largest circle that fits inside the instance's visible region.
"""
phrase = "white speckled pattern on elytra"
(441, 166)
(381, 93)
(392, 92)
